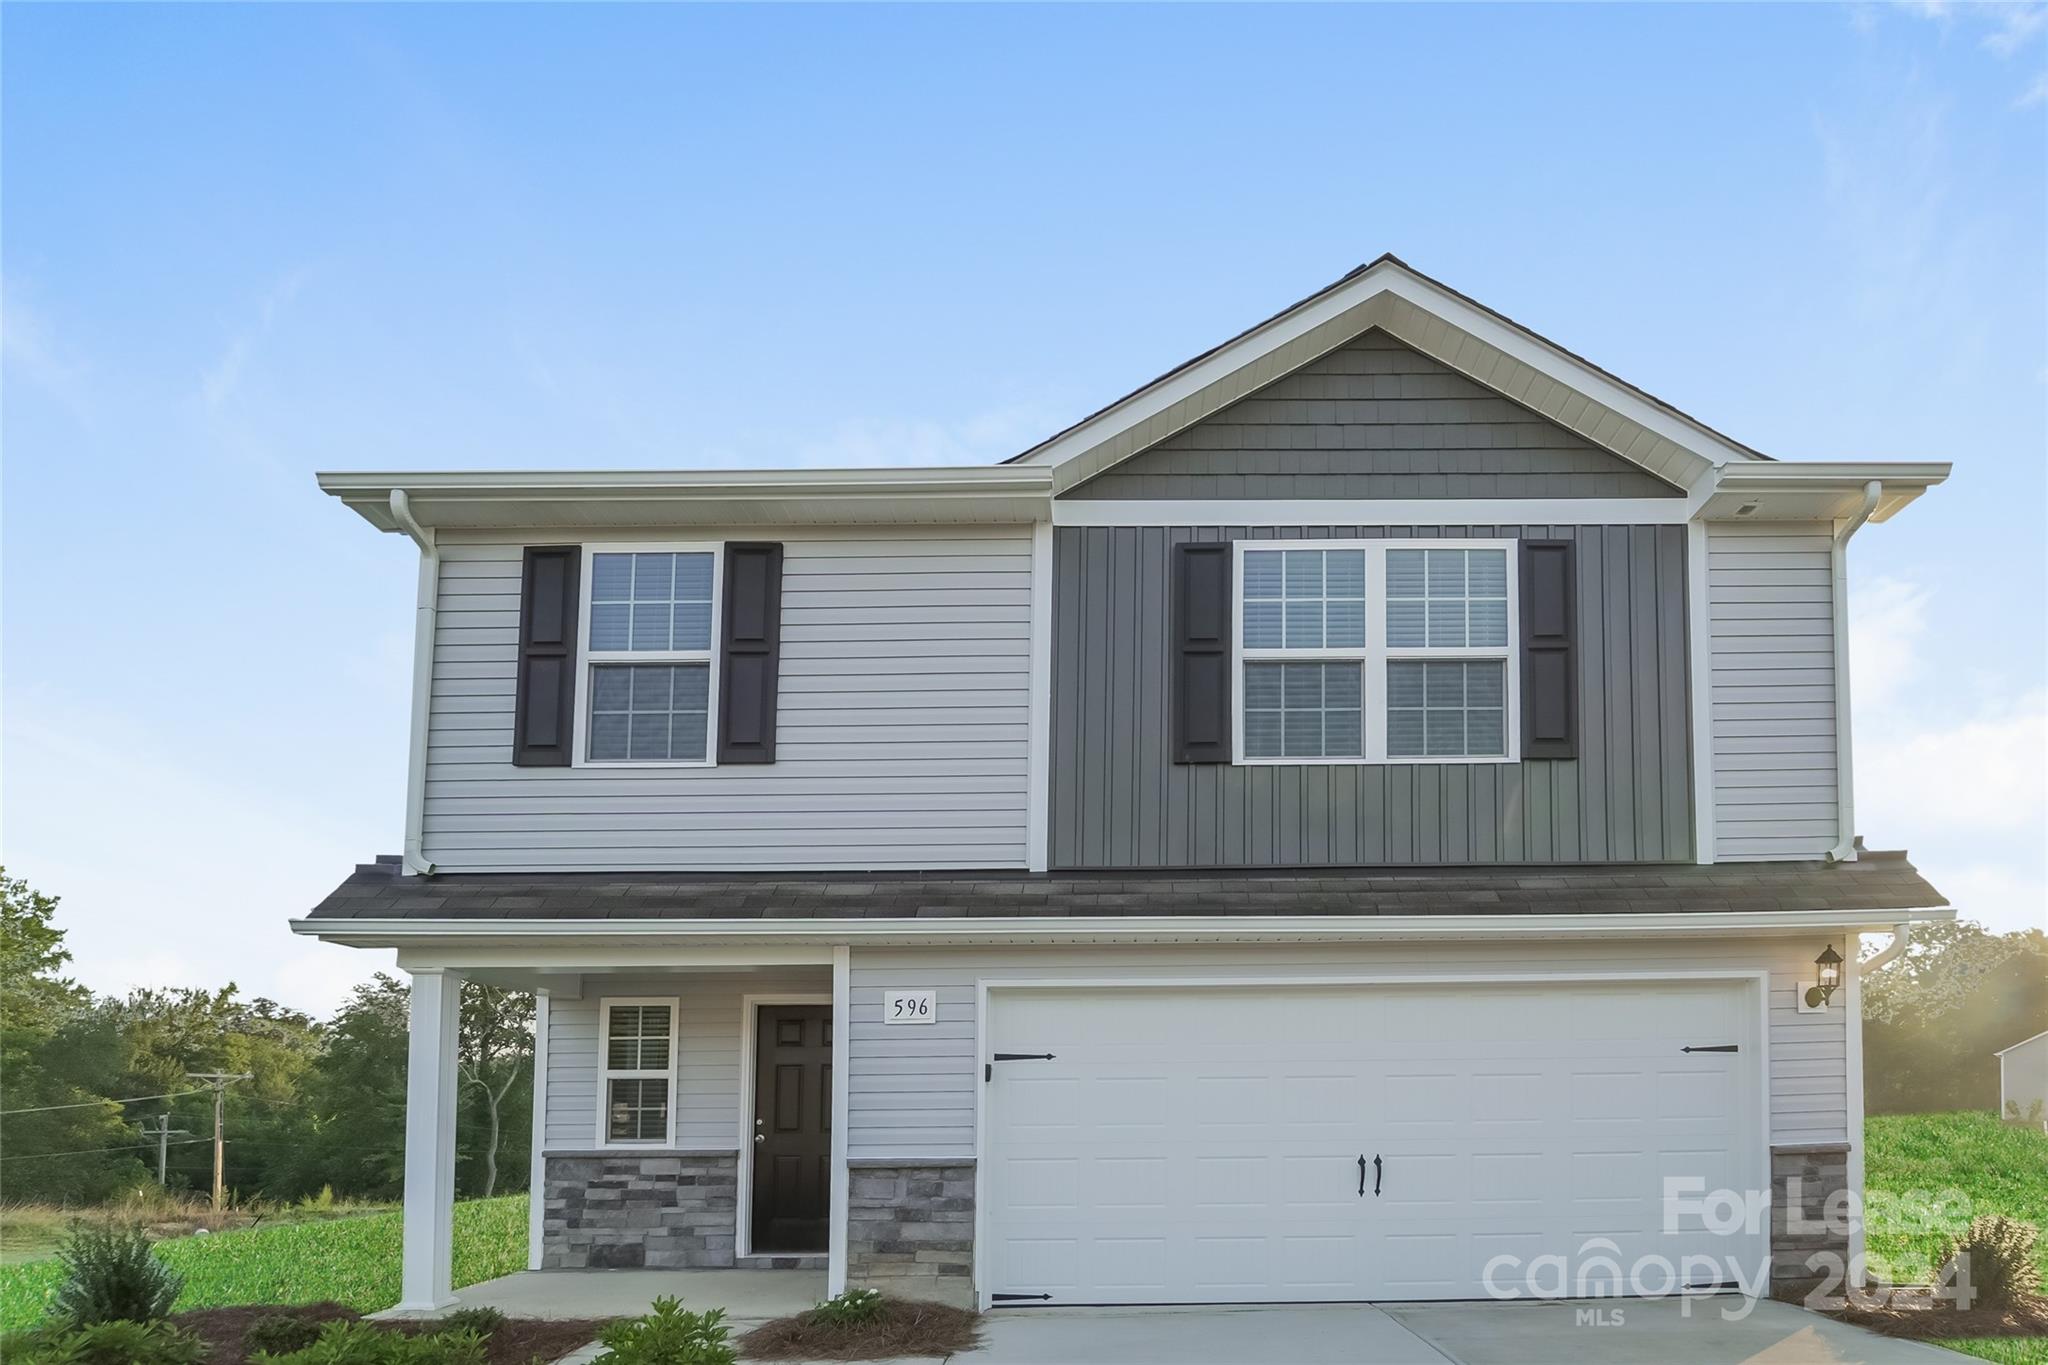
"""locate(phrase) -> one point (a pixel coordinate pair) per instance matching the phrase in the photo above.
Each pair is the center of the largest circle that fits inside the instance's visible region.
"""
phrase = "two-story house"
(1365, 811)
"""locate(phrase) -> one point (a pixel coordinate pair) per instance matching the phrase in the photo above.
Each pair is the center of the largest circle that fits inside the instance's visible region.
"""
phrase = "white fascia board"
(1373, 512)
(1842, 481)
(2021, 1043)
(1392, 279)
(693, 937)
(585, 497)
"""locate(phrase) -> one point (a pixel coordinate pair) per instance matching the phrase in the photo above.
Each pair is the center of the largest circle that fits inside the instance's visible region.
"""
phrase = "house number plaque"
(910, 1006)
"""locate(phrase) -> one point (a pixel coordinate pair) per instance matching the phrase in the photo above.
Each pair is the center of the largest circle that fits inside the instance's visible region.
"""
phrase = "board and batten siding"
(1770, 594)
(911, 1091)
(707, 1052)
(902, 722)
(1119, 801)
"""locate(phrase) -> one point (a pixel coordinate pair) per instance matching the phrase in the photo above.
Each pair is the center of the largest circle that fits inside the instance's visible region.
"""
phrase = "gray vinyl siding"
(1375, 419)
(1118, 800)
(1770, 589)
(911, 1091)
(707, 1052)
(904, 706)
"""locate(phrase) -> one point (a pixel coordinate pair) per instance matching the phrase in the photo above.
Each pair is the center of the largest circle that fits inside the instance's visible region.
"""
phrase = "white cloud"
(1885, 625)
(1982, 774)
(2037, 93)
(29, 347)
(979, 438)
(224, 377)
(2017, 24)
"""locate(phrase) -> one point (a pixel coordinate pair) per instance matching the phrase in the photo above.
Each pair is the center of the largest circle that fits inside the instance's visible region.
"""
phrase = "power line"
(94, 1151)
(94, 1104)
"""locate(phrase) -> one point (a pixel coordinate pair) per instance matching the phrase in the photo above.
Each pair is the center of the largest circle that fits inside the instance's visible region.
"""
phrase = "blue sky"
(242, 244)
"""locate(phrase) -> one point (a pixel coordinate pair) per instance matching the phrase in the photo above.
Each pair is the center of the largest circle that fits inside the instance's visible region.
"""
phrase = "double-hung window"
(639, 1039)
(1375, 651)
(649, 684)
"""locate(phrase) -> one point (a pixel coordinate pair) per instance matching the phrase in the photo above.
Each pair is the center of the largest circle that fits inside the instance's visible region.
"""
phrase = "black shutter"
(1550, 671)
(1201, 688)
(544, 711)
(749, 651)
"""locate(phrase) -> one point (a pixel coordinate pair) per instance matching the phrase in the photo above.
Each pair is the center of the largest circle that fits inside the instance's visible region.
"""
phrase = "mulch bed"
(519, 1341)
(904, 1327)
(1918, 1315)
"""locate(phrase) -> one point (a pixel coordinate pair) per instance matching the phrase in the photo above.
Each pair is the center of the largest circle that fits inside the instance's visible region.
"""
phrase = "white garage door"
(1204, 1145)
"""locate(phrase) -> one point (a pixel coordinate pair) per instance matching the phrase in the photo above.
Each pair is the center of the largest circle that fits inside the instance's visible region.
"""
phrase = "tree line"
(323, 1108)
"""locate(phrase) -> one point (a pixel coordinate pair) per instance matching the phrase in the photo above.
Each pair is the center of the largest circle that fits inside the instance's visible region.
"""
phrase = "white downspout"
(1845, 777)
(422, 682)
(1902, 934)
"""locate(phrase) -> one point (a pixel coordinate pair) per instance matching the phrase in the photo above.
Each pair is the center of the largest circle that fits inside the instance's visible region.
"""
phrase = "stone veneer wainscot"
(910, 1229)
(1809, 1218)
(664, 1210)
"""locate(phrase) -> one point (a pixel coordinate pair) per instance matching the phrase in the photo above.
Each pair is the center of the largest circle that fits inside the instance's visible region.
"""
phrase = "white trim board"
(551, 945)
(743, 1210)
(1371, 512)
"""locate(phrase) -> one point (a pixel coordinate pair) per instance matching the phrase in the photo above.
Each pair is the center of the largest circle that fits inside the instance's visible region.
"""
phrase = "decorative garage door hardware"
(1715, 1047)
(1017, 1298)
(988, 1070)
(1377, 1172)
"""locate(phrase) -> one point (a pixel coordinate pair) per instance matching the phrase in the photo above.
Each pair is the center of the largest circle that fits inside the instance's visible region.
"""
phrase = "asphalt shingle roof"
(1878, 881)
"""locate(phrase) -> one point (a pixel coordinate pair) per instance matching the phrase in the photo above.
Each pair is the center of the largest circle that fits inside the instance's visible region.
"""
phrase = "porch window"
(639, 1072)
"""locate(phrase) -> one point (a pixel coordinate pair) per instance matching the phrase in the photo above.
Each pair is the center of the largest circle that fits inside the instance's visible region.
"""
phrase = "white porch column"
(424, 1283)
(842, 1038)
(536, 1215)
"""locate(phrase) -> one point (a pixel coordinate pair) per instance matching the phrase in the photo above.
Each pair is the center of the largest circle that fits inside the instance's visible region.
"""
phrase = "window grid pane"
(1304, 710)
(1447, 599)
(636, 1110)
(650, 602)
(1441, 708)
(1304, 599)
(655, 712)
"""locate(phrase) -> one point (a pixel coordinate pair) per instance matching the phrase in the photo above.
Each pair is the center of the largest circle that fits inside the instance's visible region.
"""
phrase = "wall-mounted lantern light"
(1823, 990)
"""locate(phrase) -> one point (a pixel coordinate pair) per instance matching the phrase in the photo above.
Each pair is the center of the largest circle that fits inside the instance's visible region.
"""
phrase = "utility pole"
(218, 1082)
(163, 1133)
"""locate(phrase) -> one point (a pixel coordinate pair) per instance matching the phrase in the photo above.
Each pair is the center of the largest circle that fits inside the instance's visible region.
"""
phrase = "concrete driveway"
(1634, 1332)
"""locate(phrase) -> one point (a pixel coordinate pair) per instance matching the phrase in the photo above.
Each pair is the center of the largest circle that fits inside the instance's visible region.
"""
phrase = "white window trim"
(1374, 656)
(606, 1074)
(585, 656)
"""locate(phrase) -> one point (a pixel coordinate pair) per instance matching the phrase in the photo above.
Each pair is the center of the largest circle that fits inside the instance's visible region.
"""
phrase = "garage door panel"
(1203, 1145)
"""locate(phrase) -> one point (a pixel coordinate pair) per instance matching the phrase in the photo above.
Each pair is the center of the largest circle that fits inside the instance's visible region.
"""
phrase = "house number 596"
(910, 1007)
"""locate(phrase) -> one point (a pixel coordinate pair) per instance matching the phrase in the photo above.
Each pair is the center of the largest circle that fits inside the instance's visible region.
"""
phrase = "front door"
(792, 1128)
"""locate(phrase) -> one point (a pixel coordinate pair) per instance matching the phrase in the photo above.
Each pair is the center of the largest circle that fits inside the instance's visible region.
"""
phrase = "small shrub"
(279, 1334)
(482, 1321)
(114, 1342)
(362, 1343)
(112, 1275)
(668, 1336)
(322, 1202)
(1995, 1258)
(850, 1309)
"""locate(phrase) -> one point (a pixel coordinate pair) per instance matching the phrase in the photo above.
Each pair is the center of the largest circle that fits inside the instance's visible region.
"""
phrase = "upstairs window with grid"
(639, 1071)
(649, 652)
(1447, 653)
(1304, 653)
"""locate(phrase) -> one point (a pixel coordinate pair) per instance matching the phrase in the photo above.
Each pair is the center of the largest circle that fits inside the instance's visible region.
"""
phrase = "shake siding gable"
(902, 722)
(1374, 419)
(1771, 599)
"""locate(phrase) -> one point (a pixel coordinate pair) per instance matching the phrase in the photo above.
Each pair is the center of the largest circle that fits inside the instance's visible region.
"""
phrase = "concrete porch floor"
(749, 1297)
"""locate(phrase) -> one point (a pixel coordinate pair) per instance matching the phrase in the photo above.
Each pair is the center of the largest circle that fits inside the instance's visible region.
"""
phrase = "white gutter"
(1845, 777)
(422, 682)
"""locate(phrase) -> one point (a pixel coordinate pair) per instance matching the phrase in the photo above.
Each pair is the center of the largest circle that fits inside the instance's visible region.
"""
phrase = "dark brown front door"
(792, 1127)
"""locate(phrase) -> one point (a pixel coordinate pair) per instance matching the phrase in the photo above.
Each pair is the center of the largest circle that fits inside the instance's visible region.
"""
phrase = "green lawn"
(1926, 1175)
(352, 1261)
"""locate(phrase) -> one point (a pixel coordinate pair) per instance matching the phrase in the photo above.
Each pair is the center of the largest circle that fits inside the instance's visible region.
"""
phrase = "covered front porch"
(686, 1137)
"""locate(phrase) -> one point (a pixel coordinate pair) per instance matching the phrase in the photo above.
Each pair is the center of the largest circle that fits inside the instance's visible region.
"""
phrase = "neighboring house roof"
(2021, 1043)
(378, 891)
